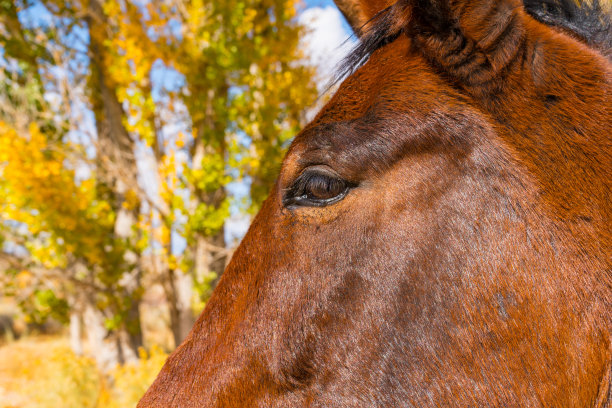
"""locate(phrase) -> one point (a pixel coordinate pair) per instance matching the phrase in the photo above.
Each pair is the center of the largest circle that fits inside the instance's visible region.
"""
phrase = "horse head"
(439, 235)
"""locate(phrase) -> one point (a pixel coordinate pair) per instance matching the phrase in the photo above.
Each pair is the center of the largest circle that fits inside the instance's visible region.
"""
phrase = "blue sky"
(327, 3)
(318, 3)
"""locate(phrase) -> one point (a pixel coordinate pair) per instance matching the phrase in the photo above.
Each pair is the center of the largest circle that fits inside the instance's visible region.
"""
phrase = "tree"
(244, 92)
(98, 207)
(94, 247)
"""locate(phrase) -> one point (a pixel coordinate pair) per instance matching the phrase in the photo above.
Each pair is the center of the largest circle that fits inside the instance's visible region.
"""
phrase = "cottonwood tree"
(157, 157)
(243, 94)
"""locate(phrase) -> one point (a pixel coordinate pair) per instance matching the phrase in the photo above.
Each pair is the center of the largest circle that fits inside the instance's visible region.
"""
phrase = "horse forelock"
(373, 35)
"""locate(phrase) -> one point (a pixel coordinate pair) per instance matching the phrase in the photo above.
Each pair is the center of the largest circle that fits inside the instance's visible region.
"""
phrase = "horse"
(439, 235)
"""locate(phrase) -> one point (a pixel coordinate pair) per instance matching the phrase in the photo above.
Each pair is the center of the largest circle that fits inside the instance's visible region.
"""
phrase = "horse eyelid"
(303, 201)
(295, 196)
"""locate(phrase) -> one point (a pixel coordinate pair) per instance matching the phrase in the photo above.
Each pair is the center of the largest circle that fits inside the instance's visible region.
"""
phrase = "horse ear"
(359, 12)
(474, 41)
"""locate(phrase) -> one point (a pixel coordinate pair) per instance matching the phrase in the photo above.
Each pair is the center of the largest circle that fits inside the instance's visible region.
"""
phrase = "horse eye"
(316, 187)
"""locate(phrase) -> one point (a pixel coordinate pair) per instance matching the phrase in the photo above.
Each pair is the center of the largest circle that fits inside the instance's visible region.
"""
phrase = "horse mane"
(588, 20)
(374, 34)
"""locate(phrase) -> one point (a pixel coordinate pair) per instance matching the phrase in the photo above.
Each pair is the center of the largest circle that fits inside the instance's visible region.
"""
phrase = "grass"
(43, 372)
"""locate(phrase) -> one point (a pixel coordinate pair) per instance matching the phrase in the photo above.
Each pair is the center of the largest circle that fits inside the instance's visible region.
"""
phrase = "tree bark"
(108, 348)
(118, 170)
(209, 251)
(179, 293)
(76, 332)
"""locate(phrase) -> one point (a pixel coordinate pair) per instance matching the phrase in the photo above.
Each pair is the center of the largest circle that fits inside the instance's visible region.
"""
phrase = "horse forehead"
(394, 78)
(394, 82)
(380, 108)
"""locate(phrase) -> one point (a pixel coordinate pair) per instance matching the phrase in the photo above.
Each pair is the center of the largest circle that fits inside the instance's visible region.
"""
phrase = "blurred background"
(137, 140)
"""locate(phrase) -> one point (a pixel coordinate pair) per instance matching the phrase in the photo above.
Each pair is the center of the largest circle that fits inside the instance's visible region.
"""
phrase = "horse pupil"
(322, 187)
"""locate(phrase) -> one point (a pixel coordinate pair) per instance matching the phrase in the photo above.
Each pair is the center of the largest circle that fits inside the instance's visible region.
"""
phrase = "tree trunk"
(210, 256)
(209, 251)
(76, 332)
(132, 330)
(117, 169)
(179, 295)
(108, 348)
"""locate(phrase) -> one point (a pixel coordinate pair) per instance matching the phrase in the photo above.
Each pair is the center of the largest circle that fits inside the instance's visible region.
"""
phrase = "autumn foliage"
(124, 125)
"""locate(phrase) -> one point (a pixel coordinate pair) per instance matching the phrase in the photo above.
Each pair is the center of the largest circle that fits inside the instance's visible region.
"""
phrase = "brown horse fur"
(439, 235)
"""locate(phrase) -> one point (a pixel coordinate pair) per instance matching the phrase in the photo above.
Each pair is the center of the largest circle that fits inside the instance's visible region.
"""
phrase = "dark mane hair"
(373, 35)
(589, 20)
